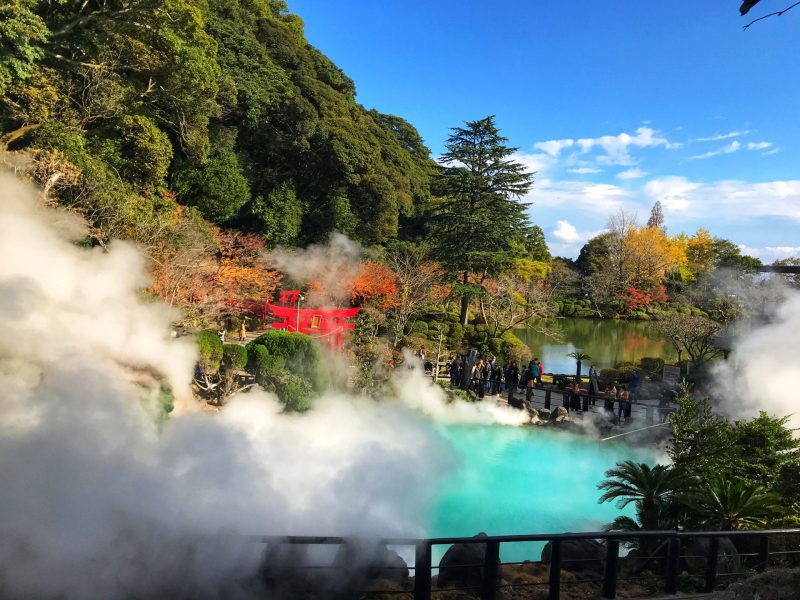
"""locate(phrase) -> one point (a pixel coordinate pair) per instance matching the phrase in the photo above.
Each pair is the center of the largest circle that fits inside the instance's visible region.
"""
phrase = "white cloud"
(771, 152)
(579, 196)
(535, 163)
(769, 254)
(554, 147)
(731, 199)
(566, 232)
(615, 147)
(585, 170)
(758, 145)
(729, 149)
(722, 136)
(634, 173)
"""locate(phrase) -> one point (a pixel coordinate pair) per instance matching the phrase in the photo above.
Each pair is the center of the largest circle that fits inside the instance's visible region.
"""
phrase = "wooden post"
(490, 571)
(555, 570)
(547, 399)
(422, 571)
(673, 559)
(610, 574)
(763, 554)
(711, 564)
(650, 418)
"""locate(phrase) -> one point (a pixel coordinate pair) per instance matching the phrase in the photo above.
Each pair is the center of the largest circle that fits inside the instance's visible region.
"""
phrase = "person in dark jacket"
(512, 380)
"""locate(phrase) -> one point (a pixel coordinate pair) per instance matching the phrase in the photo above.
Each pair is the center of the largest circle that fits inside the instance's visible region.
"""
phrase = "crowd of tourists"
(486, 376)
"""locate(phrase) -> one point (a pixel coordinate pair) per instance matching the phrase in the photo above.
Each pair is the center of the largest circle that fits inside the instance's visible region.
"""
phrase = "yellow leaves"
(651, 255)
(531, 270)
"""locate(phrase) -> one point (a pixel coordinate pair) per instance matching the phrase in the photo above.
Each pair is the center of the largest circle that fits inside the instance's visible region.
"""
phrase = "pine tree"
(481, 216)
(656, 219)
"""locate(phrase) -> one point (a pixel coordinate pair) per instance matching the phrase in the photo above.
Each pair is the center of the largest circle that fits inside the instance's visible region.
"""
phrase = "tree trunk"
(578, 373)
(465, 302)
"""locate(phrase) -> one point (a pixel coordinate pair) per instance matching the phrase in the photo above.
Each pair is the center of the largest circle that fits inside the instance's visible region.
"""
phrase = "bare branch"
(772, 14)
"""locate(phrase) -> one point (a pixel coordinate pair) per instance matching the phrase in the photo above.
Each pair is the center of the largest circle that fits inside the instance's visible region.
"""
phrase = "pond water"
(606, 341)
(517, 480)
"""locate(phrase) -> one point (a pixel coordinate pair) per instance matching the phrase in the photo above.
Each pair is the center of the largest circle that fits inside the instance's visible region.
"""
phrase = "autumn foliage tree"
(375, 284)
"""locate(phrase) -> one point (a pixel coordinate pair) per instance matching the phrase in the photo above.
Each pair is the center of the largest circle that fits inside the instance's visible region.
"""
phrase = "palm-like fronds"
(651, 488)
(579, 356)
(730, 504)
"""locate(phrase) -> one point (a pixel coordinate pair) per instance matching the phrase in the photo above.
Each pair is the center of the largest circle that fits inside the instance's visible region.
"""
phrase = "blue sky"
(613, 104)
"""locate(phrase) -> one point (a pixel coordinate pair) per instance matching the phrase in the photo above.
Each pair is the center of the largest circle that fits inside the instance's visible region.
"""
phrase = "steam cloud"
(97, 502)
(331, 268)
(762, 371)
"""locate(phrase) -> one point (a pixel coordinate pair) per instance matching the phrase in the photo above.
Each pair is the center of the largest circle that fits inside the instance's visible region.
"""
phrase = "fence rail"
(669, 554)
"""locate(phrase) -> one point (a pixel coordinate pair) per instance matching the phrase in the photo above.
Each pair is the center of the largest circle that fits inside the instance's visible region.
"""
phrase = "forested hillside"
(134, 107)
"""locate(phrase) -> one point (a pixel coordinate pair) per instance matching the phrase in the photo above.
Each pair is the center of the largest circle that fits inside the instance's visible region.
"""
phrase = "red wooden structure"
(325, 324)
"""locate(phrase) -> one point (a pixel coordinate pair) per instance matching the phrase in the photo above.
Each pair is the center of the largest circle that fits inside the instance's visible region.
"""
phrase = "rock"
(365, 561)
(534, 417)
(727, 558)
(780, 584)
(544, 414)
(462, 565)
(588, 557)
(559, 415)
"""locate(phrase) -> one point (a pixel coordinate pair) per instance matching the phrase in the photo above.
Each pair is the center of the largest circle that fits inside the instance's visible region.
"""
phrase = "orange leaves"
(634, 298)
(242, 271)
(375, 283)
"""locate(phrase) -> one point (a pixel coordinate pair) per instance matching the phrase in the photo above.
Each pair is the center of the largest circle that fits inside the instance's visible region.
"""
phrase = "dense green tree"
(279, 215)
(729, 255)
(481, 216)
(22, 33)
(595, 254)
(701, 441)
(535, 245)
(217, 187)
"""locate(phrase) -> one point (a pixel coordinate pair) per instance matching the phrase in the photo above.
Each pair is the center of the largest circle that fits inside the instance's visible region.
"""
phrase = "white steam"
(331, 268)
(98, 501)
(762, 371)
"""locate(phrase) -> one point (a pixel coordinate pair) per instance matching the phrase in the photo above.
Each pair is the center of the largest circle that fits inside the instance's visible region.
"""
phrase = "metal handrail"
(490, 575)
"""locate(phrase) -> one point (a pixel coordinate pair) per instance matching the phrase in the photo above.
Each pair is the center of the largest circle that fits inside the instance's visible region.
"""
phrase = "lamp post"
(300, 298)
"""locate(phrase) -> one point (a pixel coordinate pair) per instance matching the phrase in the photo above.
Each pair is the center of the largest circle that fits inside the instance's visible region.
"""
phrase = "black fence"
(665, 562)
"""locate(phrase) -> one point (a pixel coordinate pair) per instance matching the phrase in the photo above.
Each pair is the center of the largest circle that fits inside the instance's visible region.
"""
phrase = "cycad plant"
(729, 504)
(580, 357)
(651, 488)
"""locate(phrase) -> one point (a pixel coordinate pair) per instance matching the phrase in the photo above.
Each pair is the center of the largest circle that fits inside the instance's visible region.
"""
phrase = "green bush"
(651, 366)
(299, 352)
(295, 392)
(608, 376)
(418, 327)
(232, 324)
(264, 366)
(210, 348)
(234, 356)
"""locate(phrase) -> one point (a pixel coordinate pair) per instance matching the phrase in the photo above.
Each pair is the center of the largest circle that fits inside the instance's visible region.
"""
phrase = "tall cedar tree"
(481, 216)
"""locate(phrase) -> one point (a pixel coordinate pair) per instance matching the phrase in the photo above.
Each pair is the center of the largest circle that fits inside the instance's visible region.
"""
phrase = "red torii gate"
(326, 324)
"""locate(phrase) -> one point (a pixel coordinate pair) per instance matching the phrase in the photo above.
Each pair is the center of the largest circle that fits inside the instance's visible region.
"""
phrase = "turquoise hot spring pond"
(517, 480)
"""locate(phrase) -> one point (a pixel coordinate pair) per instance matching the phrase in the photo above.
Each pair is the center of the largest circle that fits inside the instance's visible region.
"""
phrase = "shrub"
(295, 392)
(210, 348)
(651, 366)
(299, 353)
(418, 327)
(265, 366)
(234, 356)
(233, 323)
(608, 376)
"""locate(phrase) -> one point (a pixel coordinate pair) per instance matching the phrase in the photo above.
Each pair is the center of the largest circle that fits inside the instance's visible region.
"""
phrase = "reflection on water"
(517, 480)
(608, 342)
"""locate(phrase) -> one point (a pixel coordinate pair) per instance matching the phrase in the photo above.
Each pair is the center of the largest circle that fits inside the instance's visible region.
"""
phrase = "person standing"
(624, 404)
(221, 333)
(512, 379)
(593, 385)
(633, 387)
(541, 372)
(242, 331)
(533, 376)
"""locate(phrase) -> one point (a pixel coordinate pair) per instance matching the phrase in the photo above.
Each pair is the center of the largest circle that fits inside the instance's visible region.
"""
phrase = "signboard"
(671, 376)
